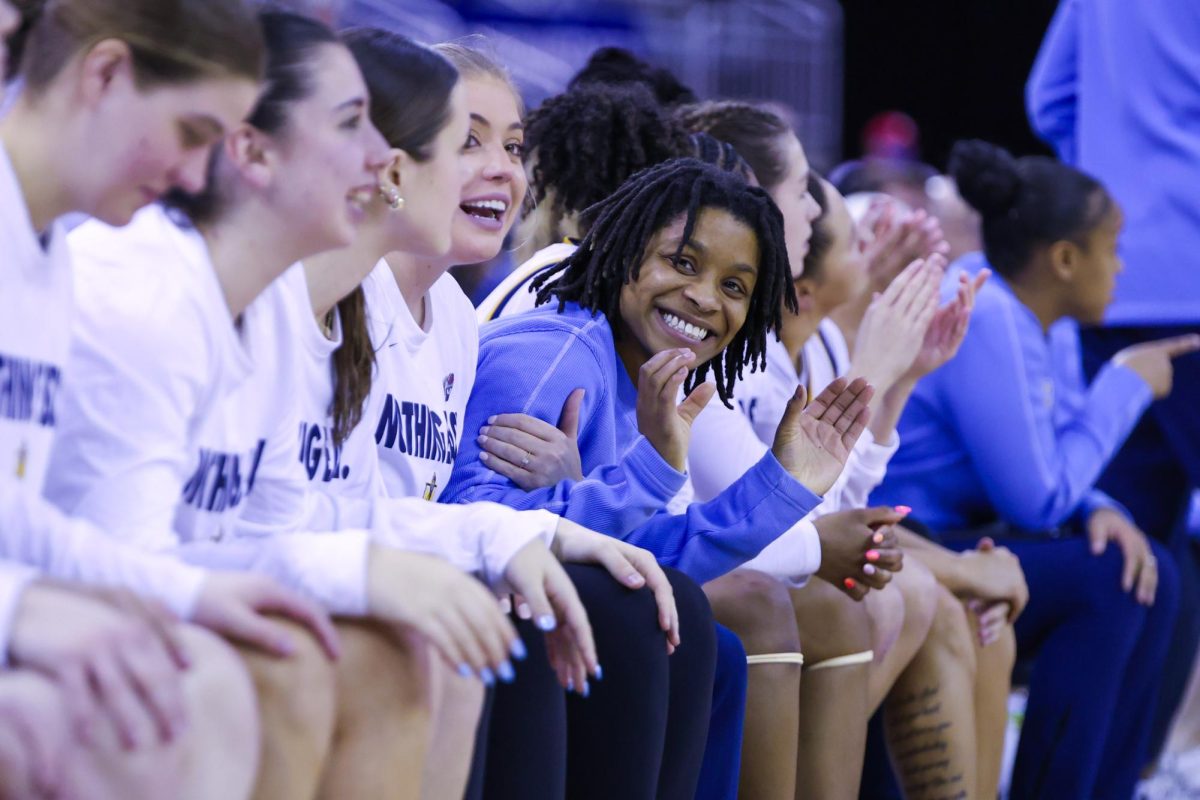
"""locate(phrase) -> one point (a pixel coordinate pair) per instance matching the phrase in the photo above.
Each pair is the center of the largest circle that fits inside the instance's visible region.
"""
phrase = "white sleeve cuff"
(13, 580)
(874, 456)
(509, 536)
(330, 567)
(793, 558)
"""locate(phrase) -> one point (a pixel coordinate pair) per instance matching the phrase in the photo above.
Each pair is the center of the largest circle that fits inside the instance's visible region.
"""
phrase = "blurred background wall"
(913, 75)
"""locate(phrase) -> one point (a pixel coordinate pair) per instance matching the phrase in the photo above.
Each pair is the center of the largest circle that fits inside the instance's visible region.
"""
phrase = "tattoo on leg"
(918, 736)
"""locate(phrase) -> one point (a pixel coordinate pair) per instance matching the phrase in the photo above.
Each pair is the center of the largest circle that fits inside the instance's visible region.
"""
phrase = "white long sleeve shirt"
(184, 425)
(35, 282)
(405, 405)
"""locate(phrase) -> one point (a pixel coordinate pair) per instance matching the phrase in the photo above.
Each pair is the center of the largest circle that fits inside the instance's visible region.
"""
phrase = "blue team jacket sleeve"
(533, 372)
(1051, 95)
(999, 394)
(712, 538)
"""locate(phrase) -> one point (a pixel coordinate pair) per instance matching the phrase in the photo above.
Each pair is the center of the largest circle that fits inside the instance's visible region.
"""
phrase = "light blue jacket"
(1007, 428)
(1116, 91)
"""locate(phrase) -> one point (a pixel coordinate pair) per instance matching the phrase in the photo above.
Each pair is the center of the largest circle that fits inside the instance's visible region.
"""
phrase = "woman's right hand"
(113, 659)
(1152, 360)
(667, 424)
(993, 575)
(813, 441)
(454, 611)
(893, 328)
(859, 550)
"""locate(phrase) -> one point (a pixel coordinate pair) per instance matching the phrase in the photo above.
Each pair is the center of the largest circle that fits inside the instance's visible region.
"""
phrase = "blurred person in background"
(1115, 90)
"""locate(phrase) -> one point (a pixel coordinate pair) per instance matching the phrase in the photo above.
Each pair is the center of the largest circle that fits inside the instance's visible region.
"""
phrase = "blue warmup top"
(1007, 428)
(530, 363)
(1116, 91)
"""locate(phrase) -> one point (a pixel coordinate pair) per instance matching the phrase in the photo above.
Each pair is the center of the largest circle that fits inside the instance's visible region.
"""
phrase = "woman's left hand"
(1140, 572)
(532, 453)
(631, 566)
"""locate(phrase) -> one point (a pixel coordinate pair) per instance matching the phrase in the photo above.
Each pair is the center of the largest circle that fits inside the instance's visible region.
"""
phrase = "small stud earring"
(393, 197)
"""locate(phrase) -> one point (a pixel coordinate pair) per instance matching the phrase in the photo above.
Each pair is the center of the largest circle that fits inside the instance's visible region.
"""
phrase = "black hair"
(822, 237)
(620, 229)
(615, 66)
(291, 40)
(721, 155)
(758, 133)
(1025, 203)
(589, 140)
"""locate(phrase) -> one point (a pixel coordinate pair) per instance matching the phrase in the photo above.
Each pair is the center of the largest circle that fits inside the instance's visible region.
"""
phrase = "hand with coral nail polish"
(859, 546)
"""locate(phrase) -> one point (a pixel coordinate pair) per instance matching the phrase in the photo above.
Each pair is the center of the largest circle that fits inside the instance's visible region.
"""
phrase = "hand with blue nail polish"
(544, 588)
(631, 566)
(452, 610)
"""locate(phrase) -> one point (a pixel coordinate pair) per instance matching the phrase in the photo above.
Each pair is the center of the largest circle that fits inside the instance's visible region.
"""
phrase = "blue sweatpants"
(723, 752)
(1096, 665)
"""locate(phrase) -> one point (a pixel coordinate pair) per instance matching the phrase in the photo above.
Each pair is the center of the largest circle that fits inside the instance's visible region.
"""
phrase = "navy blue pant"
(723, 753)
(640, 734)
(1153, 476)
(1097, 658)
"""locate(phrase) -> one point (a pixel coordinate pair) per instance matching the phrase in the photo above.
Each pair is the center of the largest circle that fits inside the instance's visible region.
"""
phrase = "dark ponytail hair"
(757, 133)
(409, 86)
(1025, 203)
(621, 226)
(291, 40)
(822, 237)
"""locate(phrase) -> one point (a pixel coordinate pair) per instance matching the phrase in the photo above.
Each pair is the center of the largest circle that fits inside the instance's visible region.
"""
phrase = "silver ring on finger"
(525, 460)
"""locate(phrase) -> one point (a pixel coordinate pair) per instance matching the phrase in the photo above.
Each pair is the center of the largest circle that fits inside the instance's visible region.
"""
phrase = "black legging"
(619, 735)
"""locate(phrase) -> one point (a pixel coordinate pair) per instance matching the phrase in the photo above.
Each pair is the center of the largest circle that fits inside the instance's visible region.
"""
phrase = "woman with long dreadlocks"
(682, 274)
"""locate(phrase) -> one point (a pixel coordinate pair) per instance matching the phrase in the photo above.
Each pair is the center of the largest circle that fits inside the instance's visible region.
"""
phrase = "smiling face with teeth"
(495, 182)
(698, 299)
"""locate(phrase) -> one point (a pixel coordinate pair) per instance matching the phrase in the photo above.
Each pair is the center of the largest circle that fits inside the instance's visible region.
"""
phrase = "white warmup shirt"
(35, 284)
(164, 437)
(477, 537)
(185, 425)
(424, 378)
(725, 443)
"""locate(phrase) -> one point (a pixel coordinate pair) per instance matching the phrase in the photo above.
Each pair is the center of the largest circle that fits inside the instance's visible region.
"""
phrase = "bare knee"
(382, 668)
(296, 693)
(35, 739)
(220, 694)
(830, 623)
(950, 631)
(758, 608)
(919, 588)
(999, 656)
(454, 697)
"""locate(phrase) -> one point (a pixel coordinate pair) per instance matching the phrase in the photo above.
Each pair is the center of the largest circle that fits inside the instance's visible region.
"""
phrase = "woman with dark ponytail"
(1007, 441)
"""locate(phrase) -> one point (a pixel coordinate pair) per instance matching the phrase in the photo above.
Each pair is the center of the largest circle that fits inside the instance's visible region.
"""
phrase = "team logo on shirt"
(430, 488)
(28, 390)
(448, 385)
(222, 480)
(22, 460)
(319, 455)
(417, 430)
